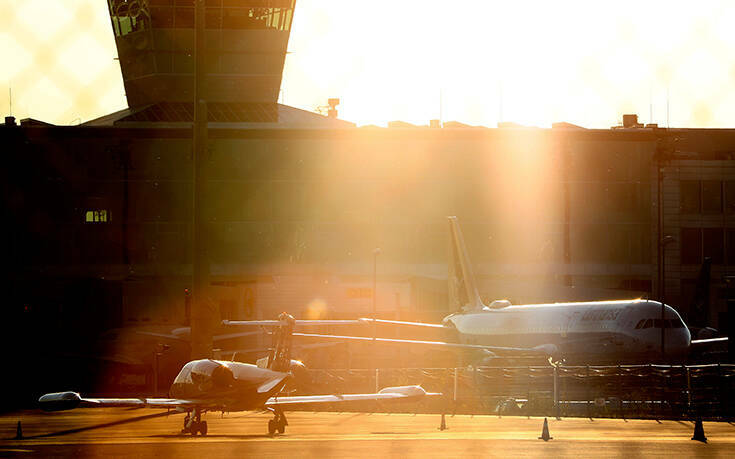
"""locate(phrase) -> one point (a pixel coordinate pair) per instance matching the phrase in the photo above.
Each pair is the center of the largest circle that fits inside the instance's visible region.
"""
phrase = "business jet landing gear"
(277, 424)
(193, 423)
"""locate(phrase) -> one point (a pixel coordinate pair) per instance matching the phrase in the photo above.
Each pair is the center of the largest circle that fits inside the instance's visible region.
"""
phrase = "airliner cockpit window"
(676, 323)
(648, 324)
(640, 324)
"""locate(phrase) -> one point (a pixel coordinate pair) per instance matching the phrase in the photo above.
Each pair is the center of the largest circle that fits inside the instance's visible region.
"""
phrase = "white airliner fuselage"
(602, 331)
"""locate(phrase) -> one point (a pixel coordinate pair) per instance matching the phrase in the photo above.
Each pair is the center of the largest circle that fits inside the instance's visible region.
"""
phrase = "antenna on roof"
(650, 105)
(500, 101)
(441, 107)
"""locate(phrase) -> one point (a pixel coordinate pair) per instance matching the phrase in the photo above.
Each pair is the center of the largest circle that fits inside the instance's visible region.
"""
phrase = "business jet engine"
(210, 374)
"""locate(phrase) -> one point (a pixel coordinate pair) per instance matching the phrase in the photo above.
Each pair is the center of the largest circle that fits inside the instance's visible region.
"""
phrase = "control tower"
(246, 44)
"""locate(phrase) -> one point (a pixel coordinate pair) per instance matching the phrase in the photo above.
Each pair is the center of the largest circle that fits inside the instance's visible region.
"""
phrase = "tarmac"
(119, 432)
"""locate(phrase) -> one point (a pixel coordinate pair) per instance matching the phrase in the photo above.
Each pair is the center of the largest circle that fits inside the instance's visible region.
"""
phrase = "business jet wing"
(59, 401)
(544, 350)
(389, 393)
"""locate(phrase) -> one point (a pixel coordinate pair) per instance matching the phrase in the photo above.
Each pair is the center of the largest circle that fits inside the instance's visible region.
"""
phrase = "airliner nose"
(677, 341)
(678, 337)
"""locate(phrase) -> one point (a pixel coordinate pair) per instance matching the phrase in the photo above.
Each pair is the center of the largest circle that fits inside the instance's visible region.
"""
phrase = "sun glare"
(529, 62)
(474, 61)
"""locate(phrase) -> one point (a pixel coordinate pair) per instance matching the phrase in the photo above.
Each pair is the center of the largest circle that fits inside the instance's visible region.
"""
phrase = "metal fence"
(627, 391)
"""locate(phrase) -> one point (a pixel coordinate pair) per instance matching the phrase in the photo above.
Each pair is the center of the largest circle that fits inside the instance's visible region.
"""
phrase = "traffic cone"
(443, 425)
(545, 432)
(699, 431)
(18, 432)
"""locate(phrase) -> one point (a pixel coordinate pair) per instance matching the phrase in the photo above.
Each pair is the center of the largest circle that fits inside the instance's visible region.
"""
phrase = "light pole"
(157, 353)
(376, 252)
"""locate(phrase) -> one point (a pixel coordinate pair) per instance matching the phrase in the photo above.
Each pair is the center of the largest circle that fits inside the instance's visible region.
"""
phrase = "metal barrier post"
(456, 379)
(556, 392)
(689, 389)
(587, 384)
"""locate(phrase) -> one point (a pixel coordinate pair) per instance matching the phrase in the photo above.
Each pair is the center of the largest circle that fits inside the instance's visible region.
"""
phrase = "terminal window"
(689, 196)
(96, 216)
(701, 196)
(700, 243)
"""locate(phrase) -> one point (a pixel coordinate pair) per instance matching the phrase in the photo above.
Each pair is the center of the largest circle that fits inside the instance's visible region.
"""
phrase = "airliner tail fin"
(463, 292)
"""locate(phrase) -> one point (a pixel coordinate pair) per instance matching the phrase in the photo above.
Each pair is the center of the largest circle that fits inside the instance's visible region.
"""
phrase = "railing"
(627, 391)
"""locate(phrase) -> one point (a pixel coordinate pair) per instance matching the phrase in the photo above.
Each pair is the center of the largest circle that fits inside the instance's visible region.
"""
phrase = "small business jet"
(215, 385)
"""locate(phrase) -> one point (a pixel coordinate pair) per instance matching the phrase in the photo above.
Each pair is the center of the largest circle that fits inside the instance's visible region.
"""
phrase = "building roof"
(220, 114)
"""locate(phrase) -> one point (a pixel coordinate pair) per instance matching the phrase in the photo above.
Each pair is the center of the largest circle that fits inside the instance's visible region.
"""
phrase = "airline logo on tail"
(463, 292)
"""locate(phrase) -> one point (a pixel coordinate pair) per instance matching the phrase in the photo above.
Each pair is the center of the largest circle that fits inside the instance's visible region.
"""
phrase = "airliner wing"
(366, 320)
(215, 338)
(705, 342)
(541, 350)
(389, 393)
(299, 322)
(360, 321)
(170, 336)
(59, 401)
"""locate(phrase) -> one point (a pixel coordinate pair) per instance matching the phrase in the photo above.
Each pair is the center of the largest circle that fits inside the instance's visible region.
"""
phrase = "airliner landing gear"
(193, 424)
(277, 424)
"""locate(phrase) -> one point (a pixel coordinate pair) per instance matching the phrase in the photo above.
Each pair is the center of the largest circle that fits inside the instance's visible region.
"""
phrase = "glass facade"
(130, 16)
(246, 43)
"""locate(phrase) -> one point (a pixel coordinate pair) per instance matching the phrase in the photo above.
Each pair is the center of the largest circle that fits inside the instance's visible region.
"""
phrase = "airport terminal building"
(100, 215)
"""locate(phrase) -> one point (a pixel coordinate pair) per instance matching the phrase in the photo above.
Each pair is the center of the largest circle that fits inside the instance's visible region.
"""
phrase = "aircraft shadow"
(219, 436)
(100, 426)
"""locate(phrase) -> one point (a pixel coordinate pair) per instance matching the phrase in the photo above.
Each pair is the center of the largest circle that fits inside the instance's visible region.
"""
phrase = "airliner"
(627, 331)
(595, 332)
(215, 385)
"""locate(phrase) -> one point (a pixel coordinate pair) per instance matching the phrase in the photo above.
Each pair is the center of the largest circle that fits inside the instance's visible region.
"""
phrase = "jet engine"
(301, 378)
(210, 374)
